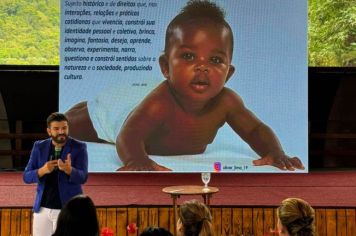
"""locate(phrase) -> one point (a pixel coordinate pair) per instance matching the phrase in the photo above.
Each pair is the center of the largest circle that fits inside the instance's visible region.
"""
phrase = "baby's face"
(197, 63)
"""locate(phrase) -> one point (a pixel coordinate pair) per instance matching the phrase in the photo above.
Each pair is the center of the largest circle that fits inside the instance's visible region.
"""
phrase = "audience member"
(194, 219)
(155, 231)
(78, 218)
(295, 218)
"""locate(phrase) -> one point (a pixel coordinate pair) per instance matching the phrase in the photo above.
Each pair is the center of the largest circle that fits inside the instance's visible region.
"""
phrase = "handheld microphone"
(57, 152)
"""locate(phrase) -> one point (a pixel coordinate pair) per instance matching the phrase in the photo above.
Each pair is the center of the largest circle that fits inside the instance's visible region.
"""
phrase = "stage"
(320, 189)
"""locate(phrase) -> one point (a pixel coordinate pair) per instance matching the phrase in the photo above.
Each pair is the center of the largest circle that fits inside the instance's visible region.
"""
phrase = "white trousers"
(45, 222)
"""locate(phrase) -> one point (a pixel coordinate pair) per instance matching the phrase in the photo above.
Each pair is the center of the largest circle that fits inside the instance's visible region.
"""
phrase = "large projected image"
(195, 86)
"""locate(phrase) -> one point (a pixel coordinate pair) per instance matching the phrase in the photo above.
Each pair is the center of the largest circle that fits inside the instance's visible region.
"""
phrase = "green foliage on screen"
(332, 33)
(29, 32)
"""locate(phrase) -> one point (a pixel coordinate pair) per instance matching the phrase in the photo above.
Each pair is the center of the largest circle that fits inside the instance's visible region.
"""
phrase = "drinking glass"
(205, 177)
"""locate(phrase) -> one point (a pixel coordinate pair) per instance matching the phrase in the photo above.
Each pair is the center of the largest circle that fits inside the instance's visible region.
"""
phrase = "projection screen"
(109, 68)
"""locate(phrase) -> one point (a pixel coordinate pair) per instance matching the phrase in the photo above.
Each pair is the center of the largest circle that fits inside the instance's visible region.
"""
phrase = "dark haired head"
(297, 216)
(155, 231)
(55, 116)
(78, 218)
(194, 11)
(195, 218)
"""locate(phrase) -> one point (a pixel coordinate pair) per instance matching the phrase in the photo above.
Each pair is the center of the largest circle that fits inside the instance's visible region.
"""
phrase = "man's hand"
(150, 166)
(47, 168)
(66, 166)
(282, 162)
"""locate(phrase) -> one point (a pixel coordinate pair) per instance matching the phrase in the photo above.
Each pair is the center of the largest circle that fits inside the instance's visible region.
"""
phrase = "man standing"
(59, 165)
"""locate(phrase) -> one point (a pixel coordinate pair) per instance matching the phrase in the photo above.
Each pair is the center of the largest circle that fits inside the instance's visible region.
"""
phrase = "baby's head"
(198, 52)
(195, 12)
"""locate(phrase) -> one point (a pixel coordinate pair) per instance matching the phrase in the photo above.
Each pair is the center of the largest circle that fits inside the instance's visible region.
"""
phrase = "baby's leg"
(80, 125)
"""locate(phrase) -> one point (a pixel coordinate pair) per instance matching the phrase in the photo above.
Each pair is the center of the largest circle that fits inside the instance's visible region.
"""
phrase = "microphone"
(57, 152)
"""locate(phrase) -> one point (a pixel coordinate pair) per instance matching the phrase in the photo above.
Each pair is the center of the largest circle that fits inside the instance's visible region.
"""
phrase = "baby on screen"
(183, 114)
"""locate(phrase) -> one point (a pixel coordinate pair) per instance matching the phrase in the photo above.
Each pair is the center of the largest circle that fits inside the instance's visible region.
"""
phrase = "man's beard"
(60, 138)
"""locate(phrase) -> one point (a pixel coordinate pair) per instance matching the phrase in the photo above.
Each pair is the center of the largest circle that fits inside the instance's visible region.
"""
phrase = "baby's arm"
(130, 143)
(259, 136)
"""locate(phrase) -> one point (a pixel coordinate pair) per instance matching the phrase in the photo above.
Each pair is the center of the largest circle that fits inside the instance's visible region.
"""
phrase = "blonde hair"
(297, 216)
(196, 219)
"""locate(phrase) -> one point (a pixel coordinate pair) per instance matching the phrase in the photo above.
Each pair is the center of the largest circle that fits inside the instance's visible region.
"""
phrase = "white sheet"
(233, 154)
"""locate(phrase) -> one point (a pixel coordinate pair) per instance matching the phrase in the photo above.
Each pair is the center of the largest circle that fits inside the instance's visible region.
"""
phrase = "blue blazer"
(68, 186)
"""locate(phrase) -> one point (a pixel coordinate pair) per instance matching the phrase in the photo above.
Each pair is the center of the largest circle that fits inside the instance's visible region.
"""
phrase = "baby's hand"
(282, 162)
(151, 166)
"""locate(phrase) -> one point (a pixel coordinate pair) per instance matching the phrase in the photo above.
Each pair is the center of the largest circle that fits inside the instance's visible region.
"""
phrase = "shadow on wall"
(332, 116)
(342, 120)
(29, 94)
(5, 160)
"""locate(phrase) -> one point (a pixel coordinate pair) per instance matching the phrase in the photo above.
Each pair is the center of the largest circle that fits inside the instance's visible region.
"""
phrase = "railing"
(18, 152)
(342, 151)
(332, 144)
(227, 221)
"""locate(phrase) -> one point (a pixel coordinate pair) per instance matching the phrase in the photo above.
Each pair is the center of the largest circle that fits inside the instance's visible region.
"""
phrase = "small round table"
(176, 191)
